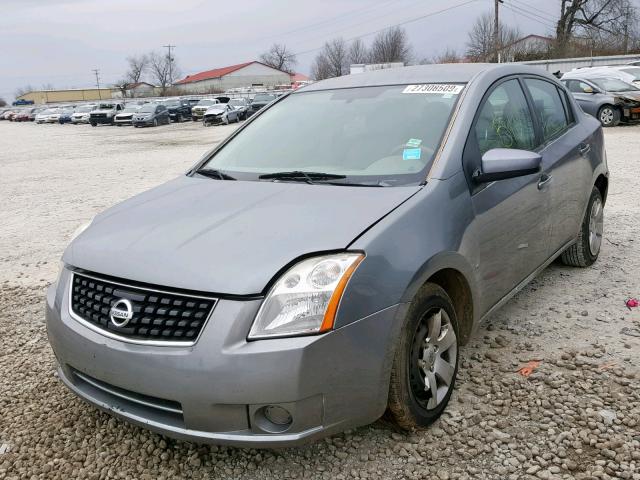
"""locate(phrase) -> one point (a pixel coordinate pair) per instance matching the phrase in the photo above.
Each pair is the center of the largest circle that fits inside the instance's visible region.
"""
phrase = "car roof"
(436, 73)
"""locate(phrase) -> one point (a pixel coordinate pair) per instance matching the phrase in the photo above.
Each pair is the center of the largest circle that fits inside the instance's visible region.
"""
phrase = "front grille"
(157, 315)
(98, 115)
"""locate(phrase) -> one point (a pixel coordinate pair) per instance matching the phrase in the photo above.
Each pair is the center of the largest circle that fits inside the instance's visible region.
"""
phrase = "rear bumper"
(220, 386)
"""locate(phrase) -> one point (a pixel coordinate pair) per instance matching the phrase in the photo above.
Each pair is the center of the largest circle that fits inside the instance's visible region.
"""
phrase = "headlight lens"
(305, 299)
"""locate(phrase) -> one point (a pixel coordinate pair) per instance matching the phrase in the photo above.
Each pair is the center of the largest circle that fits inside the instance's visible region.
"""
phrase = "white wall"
(254, 74)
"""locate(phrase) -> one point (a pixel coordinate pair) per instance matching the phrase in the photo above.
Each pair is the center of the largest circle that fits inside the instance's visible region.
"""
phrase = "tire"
(585, 251)
(155, 122)
(94, 124)
(412, 403)
(609, 116)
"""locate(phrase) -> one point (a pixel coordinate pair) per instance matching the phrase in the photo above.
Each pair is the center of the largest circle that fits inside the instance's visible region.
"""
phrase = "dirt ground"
(576, 416)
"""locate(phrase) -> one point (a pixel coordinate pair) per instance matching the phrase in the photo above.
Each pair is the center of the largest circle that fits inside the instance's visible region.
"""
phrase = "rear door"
(565, 149)
(511, 216)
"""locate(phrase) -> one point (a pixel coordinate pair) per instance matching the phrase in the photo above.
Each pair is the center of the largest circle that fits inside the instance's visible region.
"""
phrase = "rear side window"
(505, 120)
(548, 107)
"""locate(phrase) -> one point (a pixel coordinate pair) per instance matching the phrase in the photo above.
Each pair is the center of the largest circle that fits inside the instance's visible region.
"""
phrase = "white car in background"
(626, 73)
(54, 115)
(126, 116)
(82, 114)
(198, 111)
(42, 116)
(220, 114)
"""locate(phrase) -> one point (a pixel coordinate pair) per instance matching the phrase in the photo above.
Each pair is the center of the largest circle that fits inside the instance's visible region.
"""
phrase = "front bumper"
(218, 388)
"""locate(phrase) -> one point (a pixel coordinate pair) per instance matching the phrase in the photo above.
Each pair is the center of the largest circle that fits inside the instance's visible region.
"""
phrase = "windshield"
(207, 102)
(613, 85)
(264, 98)
(130, 110)
(632, 71)
(106, 106)
(236, 101)
(148, 108)
(85, 109)
(371, 135)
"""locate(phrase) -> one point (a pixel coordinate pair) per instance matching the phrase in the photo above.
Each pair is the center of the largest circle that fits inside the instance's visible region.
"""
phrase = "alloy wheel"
(596, 226)
(606, 116)
(433, 359)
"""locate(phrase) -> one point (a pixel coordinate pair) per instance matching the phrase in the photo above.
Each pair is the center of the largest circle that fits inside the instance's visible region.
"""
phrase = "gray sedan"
(308, 276)
(608, 99)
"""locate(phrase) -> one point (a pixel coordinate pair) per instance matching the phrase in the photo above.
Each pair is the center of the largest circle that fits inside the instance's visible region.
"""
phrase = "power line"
(414, 19)
(525, 8)
(329, 20)
(523, 14)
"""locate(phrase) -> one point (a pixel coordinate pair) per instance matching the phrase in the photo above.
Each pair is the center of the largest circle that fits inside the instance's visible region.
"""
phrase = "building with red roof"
(244, 75)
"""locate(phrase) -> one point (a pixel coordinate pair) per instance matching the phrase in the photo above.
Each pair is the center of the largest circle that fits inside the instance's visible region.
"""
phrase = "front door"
(511, 223)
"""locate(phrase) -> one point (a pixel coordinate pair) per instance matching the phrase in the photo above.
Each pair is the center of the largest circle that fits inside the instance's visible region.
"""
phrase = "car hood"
(635, 97)
(226, 237)
(215, 110)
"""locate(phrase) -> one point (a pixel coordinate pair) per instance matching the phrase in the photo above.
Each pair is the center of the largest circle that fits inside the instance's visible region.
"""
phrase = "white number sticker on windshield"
(438, 88)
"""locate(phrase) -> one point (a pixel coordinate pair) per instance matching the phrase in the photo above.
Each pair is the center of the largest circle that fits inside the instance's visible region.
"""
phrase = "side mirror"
(503, 163)
(588, 90)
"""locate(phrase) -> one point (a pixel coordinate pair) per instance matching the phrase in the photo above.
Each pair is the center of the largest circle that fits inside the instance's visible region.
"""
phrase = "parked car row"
(211, 110)
(611, 94)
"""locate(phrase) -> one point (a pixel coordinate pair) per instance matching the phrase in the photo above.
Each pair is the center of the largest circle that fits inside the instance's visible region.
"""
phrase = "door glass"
(548, 107)
(505, 120)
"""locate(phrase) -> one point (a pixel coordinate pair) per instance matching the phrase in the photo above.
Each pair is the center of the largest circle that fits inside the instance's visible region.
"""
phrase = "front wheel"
(426, 360)
(584, 252)
(609, 116)
(94, 124)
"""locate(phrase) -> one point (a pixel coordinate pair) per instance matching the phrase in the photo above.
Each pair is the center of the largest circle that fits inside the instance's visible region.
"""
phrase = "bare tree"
(390, 45)
(332, 61)
(278, 56)
(592, 19)
(450, 55)
(480, 42)
(358, 52)
(163, 70)
(23, 90)
(138, 65)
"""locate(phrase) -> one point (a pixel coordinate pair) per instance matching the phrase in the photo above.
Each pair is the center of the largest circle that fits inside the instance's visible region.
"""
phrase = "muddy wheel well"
(602, 184)
(457, 287)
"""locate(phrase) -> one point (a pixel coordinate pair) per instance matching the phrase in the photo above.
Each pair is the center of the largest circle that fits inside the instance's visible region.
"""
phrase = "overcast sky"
(59, 42)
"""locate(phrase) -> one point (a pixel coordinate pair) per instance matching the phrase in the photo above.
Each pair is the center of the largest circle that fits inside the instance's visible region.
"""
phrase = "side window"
(567, 105)
(505, 120)
(584, 87)
(573, 86)
(548, 108)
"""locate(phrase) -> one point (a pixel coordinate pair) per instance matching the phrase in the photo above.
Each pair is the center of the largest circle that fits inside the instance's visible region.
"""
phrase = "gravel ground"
(576, 416)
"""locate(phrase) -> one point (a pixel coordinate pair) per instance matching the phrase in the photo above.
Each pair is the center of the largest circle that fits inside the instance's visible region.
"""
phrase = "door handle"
(544, 179)
(584, 148)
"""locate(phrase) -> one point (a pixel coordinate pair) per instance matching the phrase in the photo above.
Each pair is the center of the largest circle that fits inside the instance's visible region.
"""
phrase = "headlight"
(305, 299)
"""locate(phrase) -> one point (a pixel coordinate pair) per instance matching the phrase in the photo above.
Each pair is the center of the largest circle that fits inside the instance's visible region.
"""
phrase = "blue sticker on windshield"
(411, 154)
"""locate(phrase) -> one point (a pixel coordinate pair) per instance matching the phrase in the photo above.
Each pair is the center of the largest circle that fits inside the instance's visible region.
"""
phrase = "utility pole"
(496, 29)
(169, 47)
(97, 73)
(626, 31)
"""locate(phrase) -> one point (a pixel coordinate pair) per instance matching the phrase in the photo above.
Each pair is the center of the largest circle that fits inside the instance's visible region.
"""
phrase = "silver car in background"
(325, 263)
(610, 100)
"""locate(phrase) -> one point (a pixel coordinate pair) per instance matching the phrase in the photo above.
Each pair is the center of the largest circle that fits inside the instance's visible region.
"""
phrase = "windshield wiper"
(308, 177)
(213, 173)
